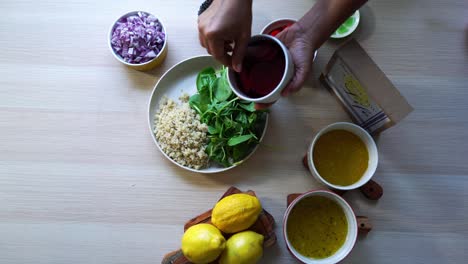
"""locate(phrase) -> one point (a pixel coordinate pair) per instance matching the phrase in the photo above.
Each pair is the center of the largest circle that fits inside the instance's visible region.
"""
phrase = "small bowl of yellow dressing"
(342, 156)
(320, 227)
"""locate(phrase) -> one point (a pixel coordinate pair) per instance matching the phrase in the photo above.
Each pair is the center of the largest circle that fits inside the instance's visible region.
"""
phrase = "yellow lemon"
(236, 212)
(243, 248)
(202, 243)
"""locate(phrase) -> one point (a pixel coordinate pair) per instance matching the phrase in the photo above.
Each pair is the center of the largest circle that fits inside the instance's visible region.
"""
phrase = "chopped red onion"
(138, 38)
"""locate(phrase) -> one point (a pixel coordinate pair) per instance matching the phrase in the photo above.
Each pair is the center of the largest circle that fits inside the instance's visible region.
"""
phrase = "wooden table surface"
(82, 182)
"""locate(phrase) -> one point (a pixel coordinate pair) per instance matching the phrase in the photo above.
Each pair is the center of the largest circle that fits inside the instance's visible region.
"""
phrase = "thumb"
(238, 53)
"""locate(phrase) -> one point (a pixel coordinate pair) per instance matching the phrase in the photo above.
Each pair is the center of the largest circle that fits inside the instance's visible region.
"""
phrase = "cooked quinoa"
(180, 133)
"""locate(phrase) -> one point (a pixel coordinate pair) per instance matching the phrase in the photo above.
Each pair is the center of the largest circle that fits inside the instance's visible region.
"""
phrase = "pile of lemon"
(204, 243)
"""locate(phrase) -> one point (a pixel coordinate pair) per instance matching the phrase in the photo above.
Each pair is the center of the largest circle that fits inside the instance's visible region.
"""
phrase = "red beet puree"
(262, 69)
(276, 31)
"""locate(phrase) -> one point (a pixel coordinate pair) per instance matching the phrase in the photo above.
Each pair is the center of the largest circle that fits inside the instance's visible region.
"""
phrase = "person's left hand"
(302, 53)
(224, 23)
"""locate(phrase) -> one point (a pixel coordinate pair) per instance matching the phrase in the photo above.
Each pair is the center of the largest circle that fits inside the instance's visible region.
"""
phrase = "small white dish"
(275, 94)
(371, 149)
(179, 79)
(156, 61)
(351, 236)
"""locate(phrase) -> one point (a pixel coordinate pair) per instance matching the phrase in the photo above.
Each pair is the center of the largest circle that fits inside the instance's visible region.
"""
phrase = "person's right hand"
(224, 23)
(302, 52)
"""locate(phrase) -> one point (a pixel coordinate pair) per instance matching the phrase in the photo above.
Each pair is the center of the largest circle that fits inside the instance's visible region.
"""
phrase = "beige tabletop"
(81, 180)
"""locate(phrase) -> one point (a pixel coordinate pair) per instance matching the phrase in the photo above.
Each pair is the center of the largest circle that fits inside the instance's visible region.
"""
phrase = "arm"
(310, 32)
(228, 22)
(325, 17)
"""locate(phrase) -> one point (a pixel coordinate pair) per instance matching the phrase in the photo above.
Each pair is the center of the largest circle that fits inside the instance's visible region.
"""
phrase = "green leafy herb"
(234, 126)
(239, 139)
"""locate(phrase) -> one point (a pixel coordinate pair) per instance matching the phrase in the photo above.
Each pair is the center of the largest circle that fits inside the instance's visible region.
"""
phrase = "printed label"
(367, 114)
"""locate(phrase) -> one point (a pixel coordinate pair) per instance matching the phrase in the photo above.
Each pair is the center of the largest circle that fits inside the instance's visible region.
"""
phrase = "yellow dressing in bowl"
(340, 157)
(317, 227)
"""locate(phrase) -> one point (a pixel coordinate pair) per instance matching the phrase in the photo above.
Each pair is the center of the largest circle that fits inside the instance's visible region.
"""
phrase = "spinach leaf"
(242, 119)
(234, 126)
(222, 90)
(252, 118)
(200, 101)
(239, 139)
(213, 130)
(248, 106)
(205, 77)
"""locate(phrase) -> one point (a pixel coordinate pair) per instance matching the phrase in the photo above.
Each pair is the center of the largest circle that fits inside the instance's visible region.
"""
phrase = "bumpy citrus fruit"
(202, 243)
(243, 248)
(236, 212)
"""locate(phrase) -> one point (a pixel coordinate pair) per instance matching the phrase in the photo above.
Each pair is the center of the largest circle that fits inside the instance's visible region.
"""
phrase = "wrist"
(307, 27)
(236, 3)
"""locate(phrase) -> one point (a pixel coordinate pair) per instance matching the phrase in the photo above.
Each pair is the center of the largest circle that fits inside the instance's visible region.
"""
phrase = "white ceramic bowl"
(276, 93)
(156, 61)
(350, 240)
(179, 79)
(364, 136)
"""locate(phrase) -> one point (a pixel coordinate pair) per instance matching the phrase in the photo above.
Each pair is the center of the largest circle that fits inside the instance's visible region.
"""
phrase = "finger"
(259, 106)
(238, 53)
(217, 50)
(201, 34)
(202, 40)
(283, 35)
(297, 81)
(208, 49)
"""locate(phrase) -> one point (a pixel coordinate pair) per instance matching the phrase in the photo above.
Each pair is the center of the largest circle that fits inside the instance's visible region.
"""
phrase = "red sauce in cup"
(276, 31)
(262, 69)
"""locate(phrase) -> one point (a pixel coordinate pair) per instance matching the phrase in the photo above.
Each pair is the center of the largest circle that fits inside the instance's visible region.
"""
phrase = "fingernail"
(239, 67)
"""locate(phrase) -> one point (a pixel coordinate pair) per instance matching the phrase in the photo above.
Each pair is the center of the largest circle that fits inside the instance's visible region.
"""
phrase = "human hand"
(302, 53)
(224, 23)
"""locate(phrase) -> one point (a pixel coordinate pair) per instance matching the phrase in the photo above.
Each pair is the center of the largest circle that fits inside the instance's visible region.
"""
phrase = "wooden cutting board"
(264, 225)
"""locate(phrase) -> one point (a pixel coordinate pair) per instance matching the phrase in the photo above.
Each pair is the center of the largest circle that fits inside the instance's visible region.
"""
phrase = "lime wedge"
(348, 26)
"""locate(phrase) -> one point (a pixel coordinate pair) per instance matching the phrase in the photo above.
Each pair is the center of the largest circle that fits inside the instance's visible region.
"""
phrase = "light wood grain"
(82, 182)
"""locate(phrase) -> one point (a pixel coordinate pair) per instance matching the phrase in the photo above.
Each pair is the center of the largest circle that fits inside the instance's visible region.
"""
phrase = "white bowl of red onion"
(138, 39)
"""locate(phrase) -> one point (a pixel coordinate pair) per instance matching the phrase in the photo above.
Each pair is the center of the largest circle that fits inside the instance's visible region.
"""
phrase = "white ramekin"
(371, 149)
(351, 237)
(276, 93)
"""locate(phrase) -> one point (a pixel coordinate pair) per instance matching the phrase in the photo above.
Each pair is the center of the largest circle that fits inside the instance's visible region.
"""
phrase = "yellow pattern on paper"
(355, 90)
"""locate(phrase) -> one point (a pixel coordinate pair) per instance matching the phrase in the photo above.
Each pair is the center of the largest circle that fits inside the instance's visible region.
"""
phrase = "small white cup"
(350, 240)
(371, 149)
(145, 66)
(276, 93)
